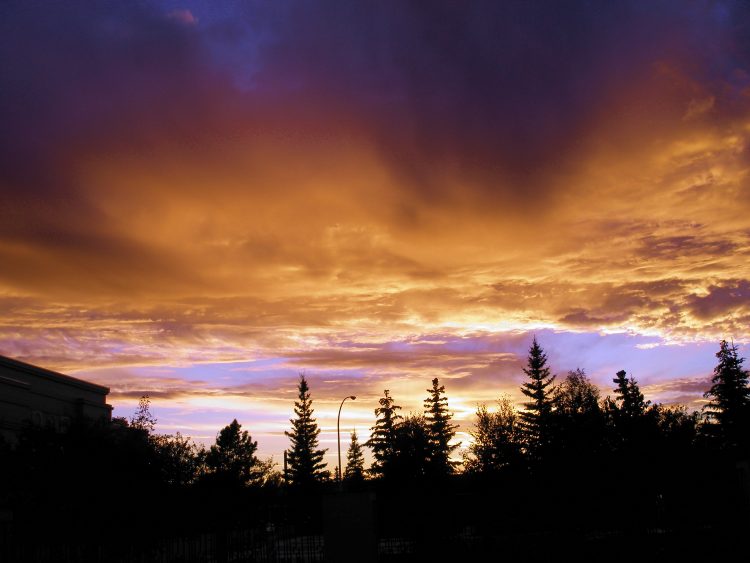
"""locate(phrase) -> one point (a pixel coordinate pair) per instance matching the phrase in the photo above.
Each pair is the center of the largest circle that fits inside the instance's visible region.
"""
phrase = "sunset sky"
(199, 200)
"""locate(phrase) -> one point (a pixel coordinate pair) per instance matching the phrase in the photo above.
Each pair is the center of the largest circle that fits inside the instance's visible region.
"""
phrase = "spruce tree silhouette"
(537, 418)
(305, 461)
(355, 461)
(728, 411)
(382, 440)
(629, 399)
(632, 422)
(232, 458)
(441, 431)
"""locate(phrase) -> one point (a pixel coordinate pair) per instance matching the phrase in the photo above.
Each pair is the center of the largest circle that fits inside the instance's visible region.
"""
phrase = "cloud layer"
(359, 188)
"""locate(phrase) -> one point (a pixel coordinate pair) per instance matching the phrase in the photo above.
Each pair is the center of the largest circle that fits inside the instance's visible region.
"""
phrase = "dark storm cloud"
(79, 78)
(503, 94)
(73, 70)
(500, 94)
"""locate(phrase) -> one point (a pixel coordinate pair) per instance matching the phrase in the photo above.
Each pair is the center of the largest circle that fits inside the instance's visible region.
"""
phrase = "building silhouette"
(33, 395)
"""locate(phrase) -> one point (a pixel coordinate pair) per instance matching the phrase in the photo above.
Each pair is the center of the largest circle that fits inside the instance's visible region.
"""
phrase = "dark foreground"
(370, 526)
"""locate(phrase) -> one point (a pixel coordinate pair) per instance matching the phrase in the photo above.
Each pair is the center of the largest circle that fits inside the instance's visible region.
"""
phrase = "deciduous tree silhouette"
(576, 396)
(579, 421)
(441, 431)
(355, 460)
(728, 411)
(305, 460)
(497, 439)
(142, 418)
(232, 458)
(382, 440)
(537, 418)
(412, 450)
(178, 459)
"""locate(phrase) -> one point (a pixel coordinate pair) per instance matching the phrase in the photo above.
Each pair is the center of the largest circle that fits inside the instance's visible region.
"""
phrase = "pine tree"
(537, 418)
(383, 437)
(441, 431)
(305, 460)
(355, 460)
(728, 411)
(232, 458)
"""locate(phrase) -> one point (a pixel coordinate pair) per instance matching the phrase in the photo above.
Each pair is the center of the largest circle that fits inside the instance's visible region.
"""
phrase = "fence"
(277, 545)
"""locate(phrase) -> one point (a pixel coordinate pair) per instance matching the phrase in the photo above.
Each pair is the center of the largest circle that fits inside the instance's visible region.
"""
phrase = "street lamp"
(338, 430)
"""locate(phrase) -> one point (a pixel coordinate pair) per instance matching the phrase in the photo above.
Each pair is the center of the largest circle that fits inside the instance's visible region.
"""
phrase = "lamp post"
(338, 430)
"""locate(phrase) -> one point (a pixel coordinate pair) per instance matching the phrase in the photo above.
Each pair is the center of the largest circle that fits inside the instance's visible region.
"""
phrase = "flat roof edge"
(53, 375)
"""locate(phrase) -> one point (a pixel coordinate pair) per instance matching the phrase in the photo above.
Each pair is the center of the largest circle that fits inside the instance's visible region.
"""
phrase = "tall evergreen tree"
(305, 461)
(355, 460)
(232, 458)
(441, 431)
(537, 418)
(728, 411)
(383, 436)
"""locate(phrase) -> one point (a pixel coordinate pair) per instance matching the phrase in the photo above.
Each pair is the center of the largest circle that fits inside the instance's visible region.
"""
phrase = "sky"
(201, 200)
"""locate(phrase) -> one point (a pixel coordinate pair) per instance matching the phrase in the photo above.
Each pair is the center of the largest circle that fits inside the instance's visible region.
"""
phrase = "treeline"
(563, 421)
(563, 424)
(584, 461)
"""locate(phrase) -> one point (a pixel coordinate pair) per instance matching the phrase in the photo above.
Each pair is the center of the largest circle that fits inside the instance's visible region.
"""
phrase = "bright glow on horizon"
(223, 198)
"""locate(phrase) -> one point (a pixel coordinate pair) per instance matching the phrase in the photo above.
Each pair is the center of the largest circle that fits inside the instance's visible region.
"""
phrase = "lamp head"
(352, 397)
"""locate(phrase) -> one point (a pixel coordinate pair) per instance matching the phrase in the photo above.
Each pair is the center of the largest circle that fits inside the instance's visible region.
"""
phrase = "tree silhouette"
(232, 458)
(178, 459)
(537, 418)
(305, 461)
(412, 450)
(382, 440)
(142, 418)
(629, 399)
(441, 431)
(579, 444)
(497, 439)
(678, 427)
(355, 460)
(728, 409)
(576, 396)
(632, 423)
(579, 421)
